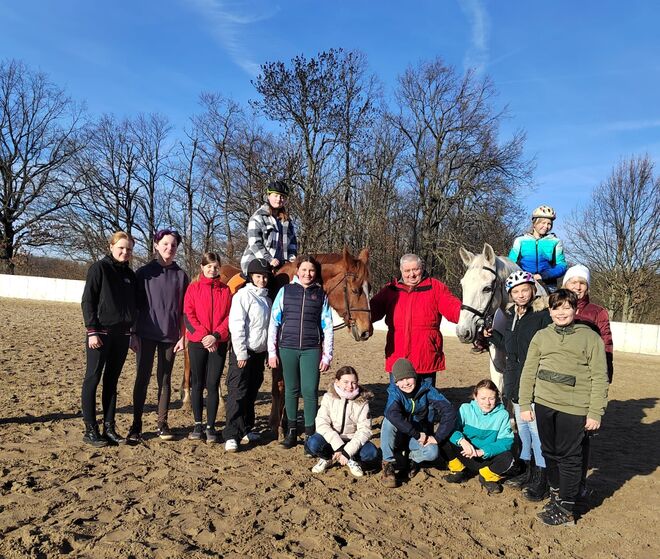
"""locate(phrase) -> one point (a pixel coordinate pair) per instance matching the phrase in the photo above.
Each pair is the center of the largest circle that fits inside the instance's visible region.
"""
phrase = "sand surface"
(59, 497)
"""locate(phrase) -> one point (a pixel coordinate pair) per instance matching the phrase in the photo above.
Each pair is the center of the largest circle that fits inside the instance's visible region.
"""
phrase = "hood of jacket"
(364, 395)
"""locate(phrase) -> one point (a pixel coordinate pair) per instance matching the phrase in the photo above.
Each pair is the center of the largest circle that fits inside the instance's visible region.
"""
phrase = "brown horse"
(345, 280)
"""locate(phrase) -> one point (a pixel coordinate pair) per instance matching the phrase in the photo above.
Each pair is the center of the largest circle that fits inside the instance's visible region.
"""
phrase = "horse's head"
(482, 293)
(348, 292)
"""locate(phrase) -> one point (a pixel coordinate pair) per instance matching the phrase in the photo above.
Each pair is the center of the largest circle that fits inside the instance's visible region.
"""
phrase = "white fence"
(632, 338)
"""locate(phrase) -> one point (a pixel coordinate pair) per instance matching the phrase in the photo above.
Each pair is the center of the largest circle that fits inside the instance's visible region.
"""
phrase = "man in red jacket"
(413, 307)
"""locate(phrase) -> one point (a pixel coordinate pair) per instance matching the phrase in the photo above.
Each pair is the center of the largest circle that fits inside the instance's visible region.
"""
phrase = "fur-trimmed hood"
(364, 395)
(538, 304)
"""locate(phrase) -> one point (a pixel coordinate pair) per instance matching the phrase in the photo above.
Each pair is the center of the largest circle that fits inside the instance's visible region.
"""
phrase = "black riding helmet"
(278, 187)
(258, 266)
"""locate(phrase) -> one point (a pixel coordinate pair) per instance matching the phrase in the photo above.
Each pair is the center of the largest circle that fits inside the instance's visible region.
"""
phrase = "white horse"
(484, 300)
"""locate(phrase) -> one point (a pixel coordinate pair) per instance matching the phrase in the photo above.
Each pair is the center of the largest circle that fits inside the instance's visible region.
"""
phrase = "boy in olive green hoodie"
(565, 375)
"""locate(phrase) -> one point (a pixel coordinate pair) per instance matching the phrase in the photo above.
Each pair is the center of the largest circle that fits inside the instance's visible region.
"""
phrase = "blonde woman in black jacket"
(109, 310)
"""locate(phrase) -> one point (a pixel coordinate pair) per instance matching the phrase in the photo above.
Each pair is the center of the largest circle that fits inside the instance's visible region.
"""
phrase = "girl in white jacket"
(343, 426)
(248, 326)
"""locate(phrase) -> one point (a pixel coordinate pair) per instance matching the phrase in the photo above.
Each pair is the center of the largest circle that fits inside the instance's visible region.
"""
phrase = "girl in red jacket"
(206, 313)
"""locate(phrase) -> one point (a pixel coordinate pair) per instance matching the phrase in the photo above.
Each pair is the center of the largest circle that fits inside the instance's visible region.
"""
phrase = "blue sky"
(581, 78)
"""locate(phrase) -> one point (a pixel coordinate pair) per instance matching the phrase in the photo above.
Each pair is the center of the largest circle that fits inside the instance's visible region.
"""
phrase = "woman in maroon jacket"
(206, 313)
(577, 280)
(413, 308)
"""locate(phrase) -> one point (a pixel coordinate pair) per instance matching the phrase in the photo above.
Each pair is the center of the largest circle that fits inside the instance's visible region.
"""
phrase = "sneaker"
(231, 445)
(554, 499)
(211, 435)
(164, 432)
(196, 433)
(354, 467)
(321, 466)
(557, 515)
(250, 437)
(457, 477)
(491, 487)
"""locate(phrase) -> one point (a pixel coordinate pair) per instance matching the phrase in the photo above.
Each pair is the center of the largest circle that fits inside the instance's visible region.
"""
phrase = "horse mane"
(359, 268)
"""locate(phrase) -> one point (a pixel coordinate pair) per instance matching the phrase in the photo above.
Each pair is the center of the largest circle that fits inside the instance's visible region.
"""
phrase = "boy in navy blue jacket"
(408, 425)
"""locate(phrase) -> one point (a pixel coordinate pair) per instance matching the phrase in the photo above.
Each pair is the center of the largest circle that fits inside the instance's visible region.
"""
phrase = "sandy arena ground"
(186, 499)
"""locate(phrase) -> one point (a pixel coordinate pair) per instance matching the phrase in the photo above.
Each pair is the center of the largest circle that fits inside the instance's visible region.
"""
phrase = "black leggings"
(498, 464)
(107, 362)
(205, 372)
(145, 363)
(242, 390)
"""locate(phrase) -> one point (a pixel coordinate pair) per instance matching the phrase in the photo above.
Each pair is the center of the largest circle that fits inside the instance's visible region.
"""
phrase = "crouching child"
(407, 432)
(343, 426)
(482, 441)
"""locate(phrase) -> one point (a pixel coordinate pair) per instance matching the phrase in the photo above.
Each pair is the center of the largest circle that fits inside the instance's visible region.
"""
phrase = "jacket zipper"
(212, 307)
(302, 316)
(537, 256)
(343, 418)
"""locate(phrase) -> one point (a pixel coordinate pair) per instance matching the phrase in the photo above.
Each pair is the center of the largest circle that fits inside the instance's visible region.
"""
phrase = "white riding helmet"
(517, 278)
(544, 211)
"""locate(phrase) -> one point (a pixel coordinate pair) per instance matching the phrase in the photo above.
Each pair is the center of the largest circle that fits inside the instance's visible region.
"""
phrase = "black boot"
(92, 435)
(560, 514)
(537, 489)
(522, 478)
(291, 438)
(111, 435)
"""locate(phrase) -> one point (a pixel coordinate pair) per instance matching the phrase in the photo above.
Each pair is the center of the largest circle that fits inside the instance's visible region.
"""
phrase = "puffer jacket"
(413, 317)
(344, 424)
(544, 256)
(248, 320)
(206, 310)
(599, 319)
(518, 333)
(491, 432)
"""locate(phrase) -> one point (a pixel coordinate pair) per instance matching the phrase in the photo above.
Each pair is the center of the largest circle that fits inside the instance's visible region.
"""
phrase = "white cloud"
(631, 125)
(228, 21)
(478, 54)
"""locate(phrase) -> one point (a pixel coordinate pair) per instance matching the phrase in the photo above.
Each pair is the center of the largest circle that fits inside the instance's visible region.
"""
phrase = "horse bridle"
(348, 319)
(484, 313)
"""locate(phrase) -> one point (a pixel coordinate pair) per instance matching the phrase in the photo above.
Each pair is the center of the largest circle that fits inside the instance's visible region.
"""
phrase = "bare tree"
(453, 154)
(616, 236)
(302, 97)
(40, 133)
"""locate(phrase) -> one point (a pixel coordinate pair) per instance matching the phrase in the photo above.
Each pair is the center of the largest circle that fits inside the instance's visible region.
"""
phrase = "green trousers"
(300, 368)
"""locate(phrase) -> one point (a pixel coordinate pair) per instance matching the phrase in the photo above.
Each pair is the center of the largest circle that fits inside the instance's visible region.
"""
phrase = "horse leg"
(277, 403)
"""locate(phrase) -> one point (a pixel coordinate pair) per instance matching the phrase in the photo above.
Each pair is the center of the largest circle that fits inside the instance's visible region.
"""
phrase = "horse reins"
(493, 285)
(348, 319)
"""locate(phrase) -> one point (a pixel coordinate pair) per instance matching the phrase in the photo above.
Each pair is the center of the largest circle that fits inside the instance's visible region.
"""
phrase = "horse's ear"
(364, 255)
(466, 256)
(347, 256)
(489, 254)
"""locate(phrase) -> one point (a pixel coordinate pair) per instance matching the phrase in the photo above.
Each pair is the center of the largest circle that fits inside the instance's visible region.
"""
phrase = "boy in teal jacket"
(482, 440)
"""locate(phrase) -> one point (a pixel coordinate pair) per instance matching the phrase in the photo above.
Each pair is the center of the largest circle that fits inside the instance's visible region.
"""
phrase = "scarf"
(347, 395)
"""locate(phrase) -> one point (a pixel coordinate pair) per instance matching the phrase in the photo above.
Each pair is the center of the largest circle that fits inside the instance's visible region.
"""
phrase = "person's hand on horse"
(591, 425)
(487, 332)
(339, 457)
(241, 363)
(274, 263)
(134, 343)
(273, 362)
(527, 416)
(94, 342)
(179, 346)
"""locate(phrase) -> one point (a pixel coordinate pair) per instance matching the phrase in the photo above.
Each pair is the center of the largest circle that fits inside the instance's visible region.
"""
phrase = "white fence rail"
(631, 338)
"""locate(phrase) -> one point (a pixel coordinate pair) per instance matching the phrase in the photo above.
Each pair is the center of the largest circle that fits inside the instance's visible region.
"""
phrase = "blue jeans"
(391, 441)
(319, 447)
(529, 437)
